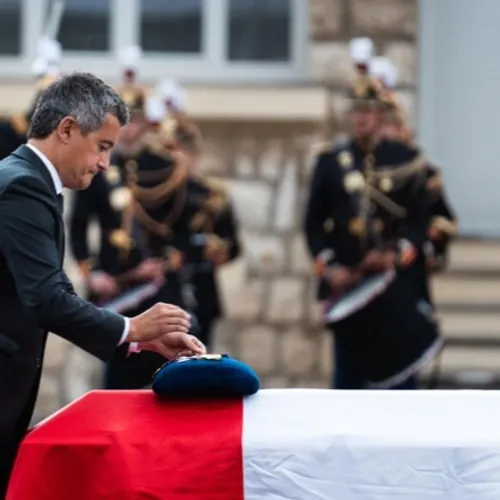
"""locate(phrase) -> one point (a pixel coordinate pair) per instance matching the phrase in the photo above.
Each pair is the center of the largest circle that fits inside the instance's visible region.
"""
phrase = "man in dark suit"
(73, 129)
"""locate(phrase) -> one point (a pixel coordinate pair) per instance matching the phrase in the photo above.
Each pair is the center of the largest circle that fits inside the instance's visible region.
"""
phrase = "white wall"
(459, 105)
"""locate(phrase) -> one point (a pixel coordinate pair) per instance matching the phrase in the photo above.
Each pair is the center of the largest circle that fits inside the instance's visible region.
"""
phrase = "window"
(85, 26)
(10, 27)
(259, 30)
(206, 41)
(171, 26)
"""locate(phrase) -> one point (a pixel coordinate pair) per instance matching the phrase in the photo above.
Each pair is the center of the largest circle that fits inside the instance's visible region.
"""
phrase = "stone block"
(252, 202)
(300, 259)
(312, 383)
(242, 298)
(264, 252)
(271, 160)
(78, 374)
(276, 382)
(286, 301)
(286, 198)
(326, 355)
(330, 62)
(404, 56)
(49, 397)
(376, 17)
(214, 160)
(224, 335)
(55, 352)
(257, 347)
(299, 352)
(340, 105)
(326, 18)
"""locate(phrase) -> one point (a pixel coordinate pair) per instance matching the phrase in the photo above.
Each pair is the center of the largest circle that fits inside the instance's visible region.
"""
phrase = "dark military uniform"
(13, 132)
(192, 224)
(360, 200)
(208, 304)
(122, 248)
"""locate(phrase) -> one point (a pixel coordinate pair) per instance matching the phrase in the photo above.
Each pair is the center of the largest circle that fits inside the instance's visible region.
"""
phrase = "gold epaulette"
(19, 123)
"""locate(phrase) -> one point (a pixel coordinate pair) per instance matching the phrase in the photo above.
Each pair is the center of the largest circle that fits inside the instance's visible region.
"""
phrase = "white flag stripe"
(301, 444)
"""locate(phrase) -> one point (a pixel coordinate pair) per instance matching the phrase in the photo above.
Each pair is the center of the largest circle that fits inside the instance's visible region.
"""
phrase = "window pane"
(171, 25)
(259, 30)
(10, 27)
(85, 25)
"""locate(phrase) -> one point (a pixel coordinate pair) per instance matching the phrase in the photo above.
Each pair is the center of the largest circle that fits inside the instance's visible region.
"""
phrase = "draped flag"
(277, 445)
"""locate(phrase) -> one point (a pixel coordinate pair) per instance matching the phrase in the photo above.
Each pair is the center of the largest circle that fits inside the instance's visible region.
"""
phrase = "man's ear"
(66, 129)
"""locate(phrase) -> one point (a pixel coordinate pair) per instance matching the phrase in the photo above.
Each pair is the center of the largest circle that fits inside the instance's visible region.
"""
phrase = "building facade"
(266, 85)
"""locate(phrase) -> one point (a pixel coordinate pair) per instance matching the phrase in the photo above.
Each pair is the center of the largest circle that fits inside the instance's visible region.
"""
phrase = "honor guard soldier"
(130, 91)
(13, 129)
(191, 221)
(222, 243)
(366, 217)
(118, 277)
(443, 223)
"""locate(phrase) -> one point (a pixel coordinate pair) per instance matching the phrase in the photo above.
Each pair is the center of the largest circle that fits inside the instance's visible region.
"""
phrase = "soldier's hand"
(157, 321)
(379, 260)
(102, 284)
(341, 277)
(172, 345)
(149, 269)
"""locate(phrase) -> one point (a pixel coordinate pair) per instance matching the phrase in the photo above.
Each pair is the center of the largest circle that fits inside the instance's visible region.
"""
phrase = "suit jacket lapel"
(34, 161)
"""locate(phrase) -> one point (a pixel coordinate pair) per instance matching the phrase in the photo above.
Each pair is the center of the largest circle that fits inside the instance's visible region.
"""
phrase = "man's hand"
(102, 284)
(172, 345)
(157, 321)
(149, 269)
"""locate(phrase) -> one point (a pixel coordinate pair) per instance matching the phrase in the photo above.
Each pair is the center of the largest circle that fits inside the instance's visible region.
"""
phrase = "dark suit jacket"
(35, 294)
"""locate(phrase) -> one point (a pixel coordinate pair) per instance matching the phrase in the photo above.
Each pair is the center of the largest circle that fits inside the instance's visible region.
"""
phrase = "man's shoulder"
(15, 172)
(398, 152)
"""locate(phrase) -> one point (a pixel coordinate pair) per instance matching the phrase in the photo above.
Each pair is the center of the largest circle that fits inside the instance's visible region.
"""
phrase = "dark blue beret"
(208, 375)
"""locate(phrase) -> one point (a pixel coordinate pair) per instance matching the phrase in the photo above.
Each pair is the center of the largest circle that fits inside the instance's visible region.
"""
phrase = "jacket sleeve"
(316, 212)
(418, 215)
(28, 232)
(226, 228)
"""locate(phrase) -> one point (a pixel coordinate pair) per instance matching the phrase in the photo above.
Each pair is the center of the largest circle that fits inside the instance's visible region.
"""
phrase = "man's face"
(85, 155)
(364, 122)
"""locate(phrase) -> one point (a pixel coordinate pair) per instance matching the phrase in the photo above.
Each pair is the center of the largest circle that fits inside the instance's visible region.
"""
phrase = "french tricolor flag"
(277, 445)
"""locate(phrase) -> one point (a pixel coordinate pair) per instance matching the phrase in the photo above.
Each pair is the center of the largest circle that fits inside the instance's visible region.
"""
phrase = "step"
(462, 358)
(474, 309)
(474, 255)
(449, 289)
(460, 325)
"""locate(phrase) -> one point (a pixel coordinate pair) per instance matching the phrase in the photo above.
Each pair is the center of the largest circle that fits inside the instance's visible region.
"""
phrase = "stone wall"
(271, 316)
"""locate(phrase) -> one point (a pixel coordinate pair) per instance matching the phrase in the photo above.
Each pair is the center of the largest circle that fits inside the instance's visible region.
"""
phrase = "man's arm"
(27, 243)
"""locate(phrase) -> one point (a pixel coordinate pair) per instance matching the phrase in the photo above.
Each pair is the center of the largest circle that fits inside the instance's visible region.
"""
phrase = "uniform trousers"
(383, 340)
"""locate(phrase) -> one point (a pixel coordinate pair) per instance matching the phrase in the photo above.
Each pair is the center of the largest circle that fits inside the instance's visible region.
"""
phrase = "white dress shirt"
(58, 185)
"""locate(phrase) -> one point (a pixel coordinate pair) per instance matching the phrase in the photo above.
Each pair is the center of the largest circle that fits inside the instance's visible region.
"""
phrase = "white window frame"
(209, 67)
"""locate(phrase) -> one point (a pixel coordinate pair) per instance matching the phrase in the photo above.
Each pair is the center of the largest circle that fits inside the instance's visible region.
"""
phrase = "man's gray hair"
(81, 95)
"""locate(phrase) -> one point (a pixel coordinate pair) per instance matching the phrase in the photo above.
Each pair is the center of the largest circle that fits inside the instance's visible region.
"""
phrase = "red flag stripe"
(129, 445)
